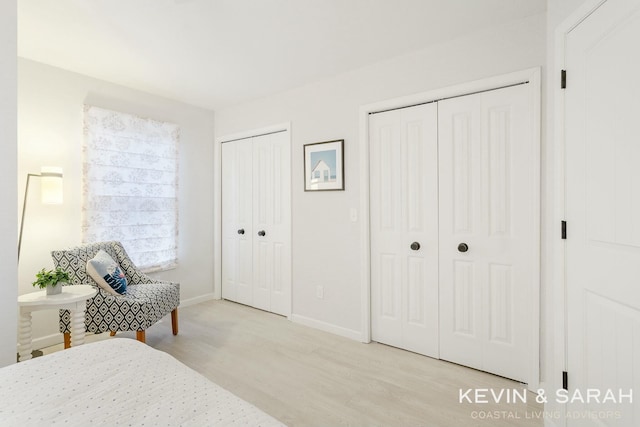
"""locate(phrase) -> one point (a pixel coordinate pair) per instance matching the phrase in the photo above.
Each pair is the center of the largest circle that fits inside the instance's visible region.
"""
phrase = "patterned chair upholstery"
(144, 303)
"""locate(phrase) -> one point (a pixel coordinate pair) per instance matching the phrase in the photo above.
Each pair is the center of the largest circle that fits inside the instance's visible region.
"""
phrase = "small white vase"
(54, 290)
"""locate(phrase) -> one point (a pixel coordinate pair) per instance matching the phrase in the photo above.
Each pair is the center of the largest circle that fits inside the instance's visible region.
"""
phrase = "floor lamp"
(51, 192)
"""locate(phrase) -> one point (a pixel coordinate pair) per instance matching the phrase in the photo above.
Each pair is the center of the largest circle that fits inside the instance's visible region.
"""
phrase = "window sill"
(160, 268)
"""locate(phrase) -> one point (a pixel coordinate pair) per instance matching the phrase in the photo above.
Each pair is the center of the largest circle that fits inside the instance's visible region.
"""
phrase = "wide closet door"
(256, 222)
(404, 228)
(454, 252)
(488, 260)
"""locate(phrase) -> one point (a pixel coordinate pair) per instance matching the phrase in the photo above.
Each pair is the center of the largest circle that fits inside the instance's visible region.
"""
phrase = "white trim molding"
(197, 300)
(533, 77)
(55, 339)
(326, 327)
(555, 277)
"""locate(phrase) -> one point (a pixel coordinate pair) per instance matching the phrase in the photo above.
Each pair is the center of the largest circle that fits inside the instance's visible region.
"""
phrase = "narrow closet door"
(487, 246)
(404, 228)
(272, 223)
(237, 230)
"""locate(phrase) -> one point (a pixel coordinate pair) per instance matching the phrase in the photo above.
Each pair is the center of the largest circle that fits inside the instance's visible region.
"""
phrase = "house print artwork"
(324, 166)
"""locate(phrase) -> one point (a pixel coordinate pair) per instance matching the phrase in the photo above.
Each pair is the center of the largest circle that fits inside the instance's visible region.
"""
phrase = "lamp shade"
(51, 188)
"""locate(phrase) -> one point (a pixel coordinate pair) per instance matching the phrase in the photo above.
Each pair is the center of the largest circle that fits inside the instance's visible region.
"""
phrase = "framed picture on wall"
(324, 166)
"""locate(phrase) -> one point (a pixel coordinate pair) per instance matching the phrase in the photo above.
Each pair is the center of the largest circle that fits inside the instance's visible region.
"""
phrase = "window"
(130, 185)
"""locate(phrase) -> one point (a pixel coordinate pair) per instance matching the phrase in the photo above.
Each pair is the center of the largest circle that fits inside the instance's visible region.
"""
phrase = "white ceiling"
(215, 53)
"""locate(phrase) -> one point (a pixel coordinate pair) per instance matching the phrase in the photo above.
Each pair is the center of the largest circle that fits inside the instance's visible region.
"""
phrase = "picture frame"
(324, 166)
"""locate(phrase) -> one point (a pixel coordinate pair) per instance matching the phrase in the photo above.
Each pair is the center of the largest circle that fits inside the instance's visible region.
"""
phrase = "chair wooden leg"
(112, 333)
(140, 336)
(174, 321)
(67, 340)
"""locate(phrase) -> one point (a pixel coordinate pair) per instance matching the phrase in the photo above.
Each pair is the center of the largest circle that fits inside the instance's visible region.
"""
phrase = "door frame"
(217, 200)
(556, 196)
(532, 75)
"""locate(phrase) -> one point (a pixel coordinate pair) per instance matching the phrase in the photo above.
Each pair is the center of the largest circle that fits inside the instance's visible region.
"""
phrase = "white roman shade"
(130, 185)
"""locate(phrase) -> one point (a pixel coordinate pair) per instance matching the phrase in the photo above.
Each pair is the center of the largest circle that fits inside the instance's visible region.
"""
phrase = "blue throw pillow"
(107, 273)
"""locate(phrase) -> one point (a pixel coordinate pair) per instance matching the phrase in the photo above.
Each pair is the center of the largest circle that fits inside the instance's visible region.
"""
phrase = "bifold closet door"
(237, 229)
(256, 222)
(487, 246)
(404, 228)
(272, 223)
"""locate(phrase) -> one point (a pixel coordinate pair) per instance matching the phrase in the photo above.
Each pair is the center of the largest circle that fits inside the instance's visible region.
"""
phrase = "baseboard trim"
(197, 300)
(327, 327)
(46, 341)
(54, 339)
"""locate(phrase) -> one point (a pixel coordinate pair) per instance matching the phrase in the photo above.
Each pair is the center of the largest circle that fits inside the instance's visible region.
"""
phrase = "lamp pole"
(46, 172)
(24, 208)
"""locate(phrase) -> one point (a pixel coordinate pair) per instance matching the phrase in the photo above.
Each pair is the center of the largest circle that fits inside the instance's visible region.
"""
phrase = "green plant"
(52, 277)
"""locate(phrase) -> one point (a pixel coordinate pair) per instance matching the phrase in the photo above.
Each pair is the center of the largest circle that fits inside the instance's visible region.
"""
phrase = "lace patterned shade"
(130, 185)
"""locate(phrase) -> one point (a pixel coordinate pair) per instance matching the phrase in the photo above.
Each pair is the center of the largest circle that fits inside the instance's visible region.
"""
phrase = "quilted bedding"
(117, 382)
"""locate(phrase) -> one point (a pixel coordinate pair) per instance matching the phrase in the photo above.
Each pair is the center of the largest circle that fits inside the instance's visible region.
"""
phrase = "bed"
(117, 382)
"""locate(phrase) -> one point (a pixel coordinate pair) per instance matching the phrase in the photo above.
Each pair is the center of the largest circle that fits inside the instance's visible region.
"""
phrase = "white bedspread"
(117, 382)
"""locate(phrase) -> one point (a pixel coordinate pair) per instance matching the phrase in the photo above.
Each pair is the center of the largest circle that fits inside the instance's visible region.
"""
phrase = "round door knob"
(241, 231)
(415, 246)
(463, 247)
(261, 233)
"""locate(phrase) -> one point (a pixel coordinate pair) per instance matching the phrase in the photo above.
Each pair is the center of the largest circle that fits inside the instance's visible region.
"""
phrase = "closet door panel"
(262, 218)
(404, 228)
(229, 209)
(486, 216)
(459, 133)
(386, 227)
(281, 225)
(419, 135)
(510, 206)
(272, 223)
(237, 230)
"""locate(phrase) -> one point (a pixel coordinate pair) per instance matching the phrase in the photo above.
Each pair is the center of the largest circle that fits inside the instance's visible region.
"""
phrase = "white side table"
(73, 298)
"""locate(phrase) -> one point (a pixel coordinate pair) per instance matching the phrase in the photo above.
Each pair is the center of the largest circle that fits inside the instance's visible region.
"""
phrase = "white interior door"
(404, 212)
(256, 222)
(237, 229)
(602, 108)
(272, 223)
(488, 249)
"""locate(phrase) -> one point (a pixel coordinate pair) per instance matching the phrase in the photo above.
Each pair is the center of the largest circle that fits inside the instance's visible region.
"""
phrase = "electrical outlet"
(320, 292)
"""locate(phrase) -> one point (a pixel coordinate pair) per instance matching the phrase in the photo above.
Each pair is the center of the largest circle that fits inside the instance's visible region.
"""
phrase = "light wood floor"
(306, 377)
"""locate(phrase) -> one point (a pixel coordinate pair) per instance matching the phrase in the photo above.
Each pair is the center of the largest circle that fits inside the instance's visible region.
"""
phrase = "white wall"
(326, 244)
(50, 121)
(8, 220)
